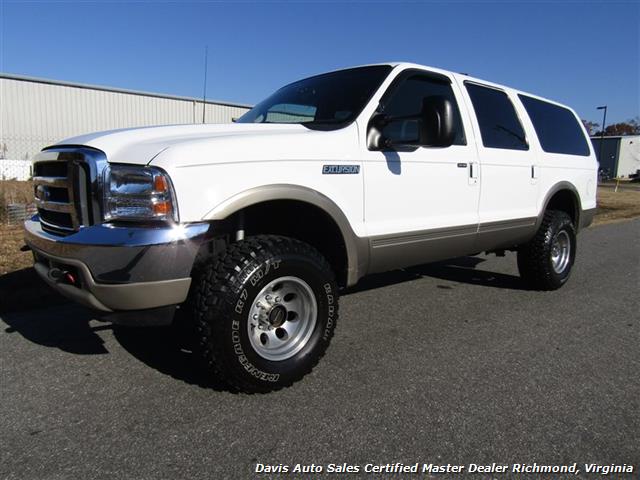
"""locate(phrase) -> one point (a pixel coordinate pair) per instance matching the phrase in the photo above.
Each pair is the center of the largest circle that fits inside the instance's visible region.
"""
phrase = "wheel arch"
(562, 196)
(356, 249)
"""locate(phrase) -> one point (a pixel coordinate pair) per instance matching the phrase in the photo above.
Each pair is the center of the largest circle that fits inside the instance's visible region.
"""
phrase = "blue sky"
(584, 54)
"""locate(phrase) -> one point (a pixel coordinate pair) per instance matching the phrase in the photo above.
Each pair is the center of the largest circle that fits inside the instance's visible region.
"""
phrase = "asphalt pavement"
(455, 362)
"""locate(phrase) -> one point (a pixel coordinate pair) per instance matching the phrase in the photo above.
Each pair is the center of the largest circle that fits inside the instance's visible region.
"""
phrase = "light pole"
(204, 92)
(604, 120)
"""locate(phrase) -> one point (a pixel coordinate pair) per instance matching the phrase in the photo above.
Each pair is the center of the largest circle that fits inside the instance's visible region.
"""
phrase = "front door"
(421, 203)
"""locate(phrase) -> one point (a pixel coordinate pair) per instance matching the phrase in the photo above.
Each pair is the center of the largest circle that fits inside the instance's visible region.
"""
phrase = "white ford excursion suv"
(254, 227)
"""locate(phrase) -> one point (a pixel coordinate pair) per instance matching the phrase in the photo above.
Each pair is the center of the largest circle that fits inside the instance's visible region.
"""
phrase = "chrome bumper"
(119, 268)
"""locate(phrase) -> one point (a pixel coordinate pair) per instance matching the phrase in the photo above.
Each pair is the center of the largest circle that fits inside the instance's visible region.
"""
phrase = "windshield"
(332, 99)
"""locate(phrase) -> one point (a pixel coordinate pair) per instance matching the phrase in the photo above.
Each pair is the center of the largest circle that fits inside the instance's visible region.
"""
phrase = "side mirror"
(435, 126)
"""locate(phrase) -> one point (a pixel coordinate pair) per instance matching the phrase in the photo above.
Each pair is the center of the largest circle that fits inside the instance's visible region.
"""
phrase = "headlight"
(138, 193)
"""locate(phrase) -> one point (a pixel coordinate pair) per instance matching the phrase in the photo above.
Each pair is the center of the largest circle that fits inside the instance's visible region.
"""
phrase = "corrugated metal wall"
(36, 113)
(620, 155)
(608, 163)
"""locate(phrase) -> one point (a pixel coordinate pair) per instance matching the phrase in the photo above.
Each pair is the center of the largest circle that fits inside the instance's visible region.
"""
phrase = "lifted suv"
(255, 226)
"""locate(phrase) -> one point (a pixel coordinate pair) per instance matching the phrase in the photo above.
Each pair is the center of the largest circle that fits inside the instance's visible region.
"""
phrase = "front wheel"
(265, 312)
(545, 262)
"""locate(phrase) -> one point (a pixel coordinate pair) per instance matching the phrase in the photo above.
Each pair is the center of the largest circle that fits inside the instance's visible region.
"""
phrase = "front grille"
(66, 183)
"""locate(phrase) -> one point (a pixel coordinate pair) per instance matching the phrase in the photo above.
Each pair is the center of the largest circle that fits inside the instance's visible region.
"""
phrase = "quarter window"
(557, 127)
(499, 124)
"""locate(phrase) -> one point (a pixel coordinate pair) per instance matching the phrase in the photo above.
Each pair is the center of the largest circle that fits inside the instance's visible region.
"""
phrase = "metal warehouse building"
(38, 112)
(620, 155)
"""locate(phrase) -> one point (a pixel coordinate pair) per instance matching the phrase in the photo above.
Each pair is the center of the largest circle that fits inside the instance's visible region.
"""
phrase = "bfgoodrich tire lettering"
(227, 289)
(545, 262)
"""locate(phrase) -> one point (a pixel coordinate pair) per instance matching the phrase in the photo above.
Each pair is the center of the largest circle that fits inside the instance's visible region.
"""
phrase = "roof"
(48, 81)
(466, 77)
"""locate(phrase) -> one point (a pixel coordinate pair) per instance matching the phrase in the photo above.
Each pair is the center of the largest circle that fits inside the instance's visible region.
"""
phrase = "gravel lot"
(452, 362)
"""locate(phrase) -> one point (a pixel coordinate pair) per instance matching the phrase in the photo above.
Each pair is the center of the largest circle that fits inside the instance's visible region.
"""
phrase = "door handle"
(462, 165)
(473, 171)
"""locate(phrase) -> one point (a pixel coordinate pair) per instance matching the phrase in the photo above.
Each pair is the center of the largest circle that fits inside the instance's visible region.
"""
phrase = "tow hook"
(63, 276)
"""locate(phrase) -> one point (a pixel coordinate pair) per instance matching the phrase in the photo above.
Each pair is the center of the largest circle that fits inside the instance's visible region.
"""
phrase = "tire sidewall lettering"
(331, 309)
(241, 301)
(256, 366)
(260, 273)
(242, 358)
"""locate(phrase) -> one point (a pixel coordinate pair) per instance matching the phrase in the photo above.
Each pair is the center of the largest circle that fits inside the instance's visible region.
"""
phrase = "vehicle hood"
(142, 145)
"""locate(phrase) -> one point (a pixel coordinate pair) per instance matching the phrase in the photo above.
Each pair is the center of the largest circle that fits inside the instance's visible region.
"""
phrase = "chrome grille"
(67, 188)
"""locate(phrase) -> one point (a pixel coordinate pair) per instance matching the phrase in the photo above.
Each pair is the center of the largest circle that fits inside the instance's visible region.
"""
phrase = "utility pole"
(604, 120)
(204, 93)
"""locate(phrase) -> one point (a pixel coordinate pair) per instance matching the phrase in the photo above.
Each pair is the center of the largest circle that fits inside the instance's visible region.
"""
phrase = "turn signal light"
(160, 184)
(162, 208)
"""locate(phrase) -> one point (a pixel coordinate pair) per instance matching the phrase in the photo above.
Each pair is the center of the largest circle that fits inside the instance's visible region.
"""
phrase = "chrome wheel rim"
(560, 251)
(282, 318)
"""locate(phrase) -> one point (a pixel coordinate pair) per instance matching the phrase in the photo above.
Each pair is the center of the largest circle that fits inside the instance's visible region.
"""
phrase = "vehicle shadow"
(24, 290)
(31, 308)
(458, 270)
(169, 350)
(57, 323)
(66, 327)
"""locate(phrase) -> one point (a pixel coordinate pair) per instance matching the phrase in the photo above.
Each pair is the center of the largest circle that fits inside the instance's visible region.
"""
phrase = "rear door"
(507, 211)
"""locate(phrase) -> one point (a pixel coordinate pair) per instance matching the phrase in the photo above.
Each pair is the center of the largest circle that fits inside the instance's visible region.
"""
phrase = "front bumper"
(119, 268)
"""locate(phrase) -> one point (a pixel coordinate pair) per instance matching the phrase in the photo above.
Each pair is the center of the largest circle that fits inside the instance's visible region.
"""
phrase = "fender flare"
(357, 248)
(564, 185)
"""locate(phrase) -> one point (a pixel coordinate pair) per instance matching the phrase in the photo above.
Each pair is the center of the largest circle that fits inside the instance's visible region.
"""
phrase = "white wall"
(629, 159)
(15, 169)
(35, 114)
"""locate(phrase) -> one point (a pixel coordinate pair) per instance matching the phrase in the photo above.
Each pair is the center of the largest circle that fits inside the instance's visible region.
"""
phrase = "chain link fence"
(19, 212)
(16, 171)
(16, 201)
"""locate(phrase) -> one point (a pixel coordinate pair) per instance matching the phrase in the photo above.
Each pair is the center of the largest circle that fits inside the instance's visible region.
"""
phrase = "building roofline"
(25, 78)
(598, 137)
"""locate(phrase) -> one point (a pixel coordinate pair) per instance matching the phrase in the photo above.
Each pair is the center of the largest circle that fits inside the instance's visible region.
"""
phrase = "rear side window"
(499, 124)
(557, 128)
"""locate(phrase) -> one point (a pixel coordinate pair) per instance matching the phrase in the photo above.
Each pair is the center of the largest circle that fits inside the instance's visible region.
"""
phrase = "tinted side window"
(499, 124)
(407, 98)
(557, 128)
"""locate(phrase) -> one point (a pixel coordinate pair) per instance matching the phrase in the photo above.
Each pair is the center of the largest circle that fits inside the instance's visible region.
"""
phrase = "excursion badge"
(340, 169)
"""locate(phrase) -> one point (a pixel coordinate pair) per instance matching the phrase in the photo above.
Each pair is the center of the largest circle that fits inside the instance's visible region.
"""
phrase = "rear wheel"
(265, 312)
(545, 262)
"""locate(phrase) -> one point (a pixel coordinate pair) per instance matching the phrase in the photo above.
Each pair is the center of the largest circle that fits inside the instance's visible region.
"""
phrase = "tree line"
(630, 127)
